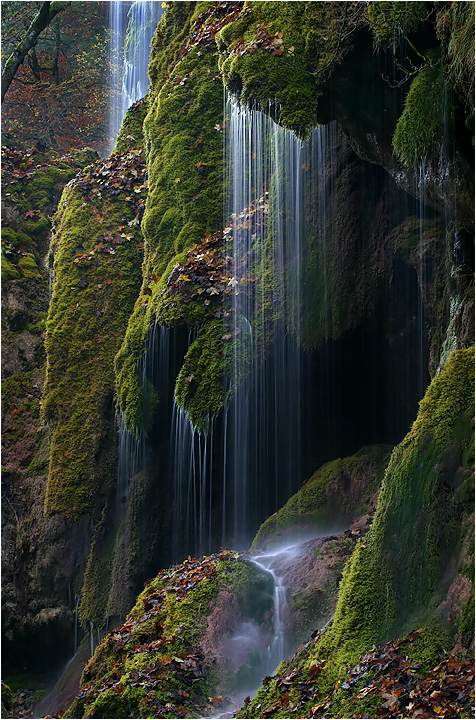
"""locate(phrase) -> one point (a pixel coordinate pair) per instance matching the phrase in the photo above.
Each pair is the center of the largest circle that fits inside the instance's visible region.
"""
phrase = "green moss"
(466, 624)
(184, 153)
(9, 271)
(283, 52)
(97, 275)
(131, 134)
(152, 665)
(456, 28)
(96, 581)
(39, 465)
(7, 699)
(391, 21)
(28, 266)
(199, 386)
(395, 571)
(16, 240)
(336, 494)
(419, 133)
(111, 704)
(433, 642)
(35, 227)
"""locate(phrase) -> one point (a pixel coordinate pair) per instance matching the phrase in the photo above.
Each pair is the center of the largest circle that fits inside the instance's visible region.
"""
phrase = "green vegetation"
(98, 251)
(7, 699)
(339, 492)
(184, 152)
(455, 27)
(153, 665)
(381, 682)
(419, 132)
(392, 21)
(393, 574)
(282, 53)
(131, 134)
(199, 388)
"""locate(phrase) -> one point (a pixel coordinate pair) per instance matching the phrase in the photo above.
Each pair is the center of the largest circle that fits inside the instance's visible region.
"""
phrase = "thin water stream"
(259, 649)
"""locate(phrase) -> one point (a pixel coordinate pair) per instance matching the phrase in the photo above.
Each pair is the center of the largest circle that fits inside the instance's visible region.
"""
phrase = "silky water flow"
(132, 26)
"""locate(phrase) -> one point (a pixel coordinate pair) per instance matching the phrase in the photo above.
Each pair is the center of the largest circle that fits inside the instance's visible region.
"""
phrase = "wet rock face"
(22, 347)
(310, 573)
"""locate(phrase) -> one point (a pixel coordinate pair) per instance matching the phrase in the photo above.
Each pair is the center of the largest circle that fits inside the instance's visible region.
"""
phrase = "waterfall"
(284, 369)
(277, 649)
(132, 25)
(192, 475)
(263, 251)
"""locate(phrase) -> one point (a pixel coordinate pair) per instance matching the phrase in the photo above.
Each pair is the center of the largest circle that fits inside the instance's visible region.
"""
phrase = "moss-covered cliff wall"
(183, 134)
(42, 557)
(97, 253)
(387, 296)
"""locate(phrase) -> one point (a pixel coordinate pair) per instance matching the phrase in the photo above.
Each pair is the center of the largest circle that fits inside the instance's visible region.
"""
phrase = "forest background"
(60, 94)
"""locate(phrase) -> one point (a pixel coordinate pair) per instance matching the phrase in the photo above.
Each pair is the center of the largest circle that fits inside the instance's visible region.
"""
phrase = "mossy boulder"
(284, 53)
(166, 659)
(97, 252)
(338, 493)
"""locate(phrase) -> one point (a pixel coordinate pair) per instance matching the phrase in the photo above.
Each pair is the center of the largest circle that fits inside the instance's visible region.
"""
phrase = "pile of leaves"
(264, 40)
(208, 273)
(201, 275)
(398, 688)
(22, 166)
(384, 683)
(211, 21)
(112, 176)
(152, 665)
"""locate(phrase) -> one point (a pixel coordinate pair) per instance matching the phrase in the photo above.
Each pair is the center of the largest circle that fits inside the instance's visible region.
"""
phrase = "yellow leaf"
(177, 180)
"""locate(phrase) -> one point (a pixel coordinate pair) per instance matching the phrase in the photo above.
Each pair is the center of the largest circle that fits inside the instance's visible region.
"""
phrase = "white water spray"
(132, 25)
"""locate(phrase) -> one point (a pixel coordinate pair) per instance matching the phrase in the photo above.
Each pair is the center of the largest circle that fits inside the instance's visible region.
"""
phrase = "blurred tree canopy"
(59, 94)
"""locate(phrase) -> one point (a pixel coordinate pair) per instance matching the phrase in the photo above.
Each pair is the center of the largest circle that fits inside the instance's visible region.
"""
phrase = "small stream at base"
(277, 649)
(249, 641)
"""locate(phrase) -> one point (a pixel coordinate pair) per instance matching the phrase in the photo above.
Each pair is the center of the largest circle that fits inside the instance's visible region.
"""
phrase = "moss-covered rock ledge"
(167, 659)
(338, 493)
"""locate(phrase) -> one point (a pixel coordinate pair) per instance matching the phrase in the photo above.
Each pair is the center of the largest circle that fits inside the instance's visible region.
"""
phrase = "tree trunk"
(33, 63)
(57, 35)
(47, 13)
